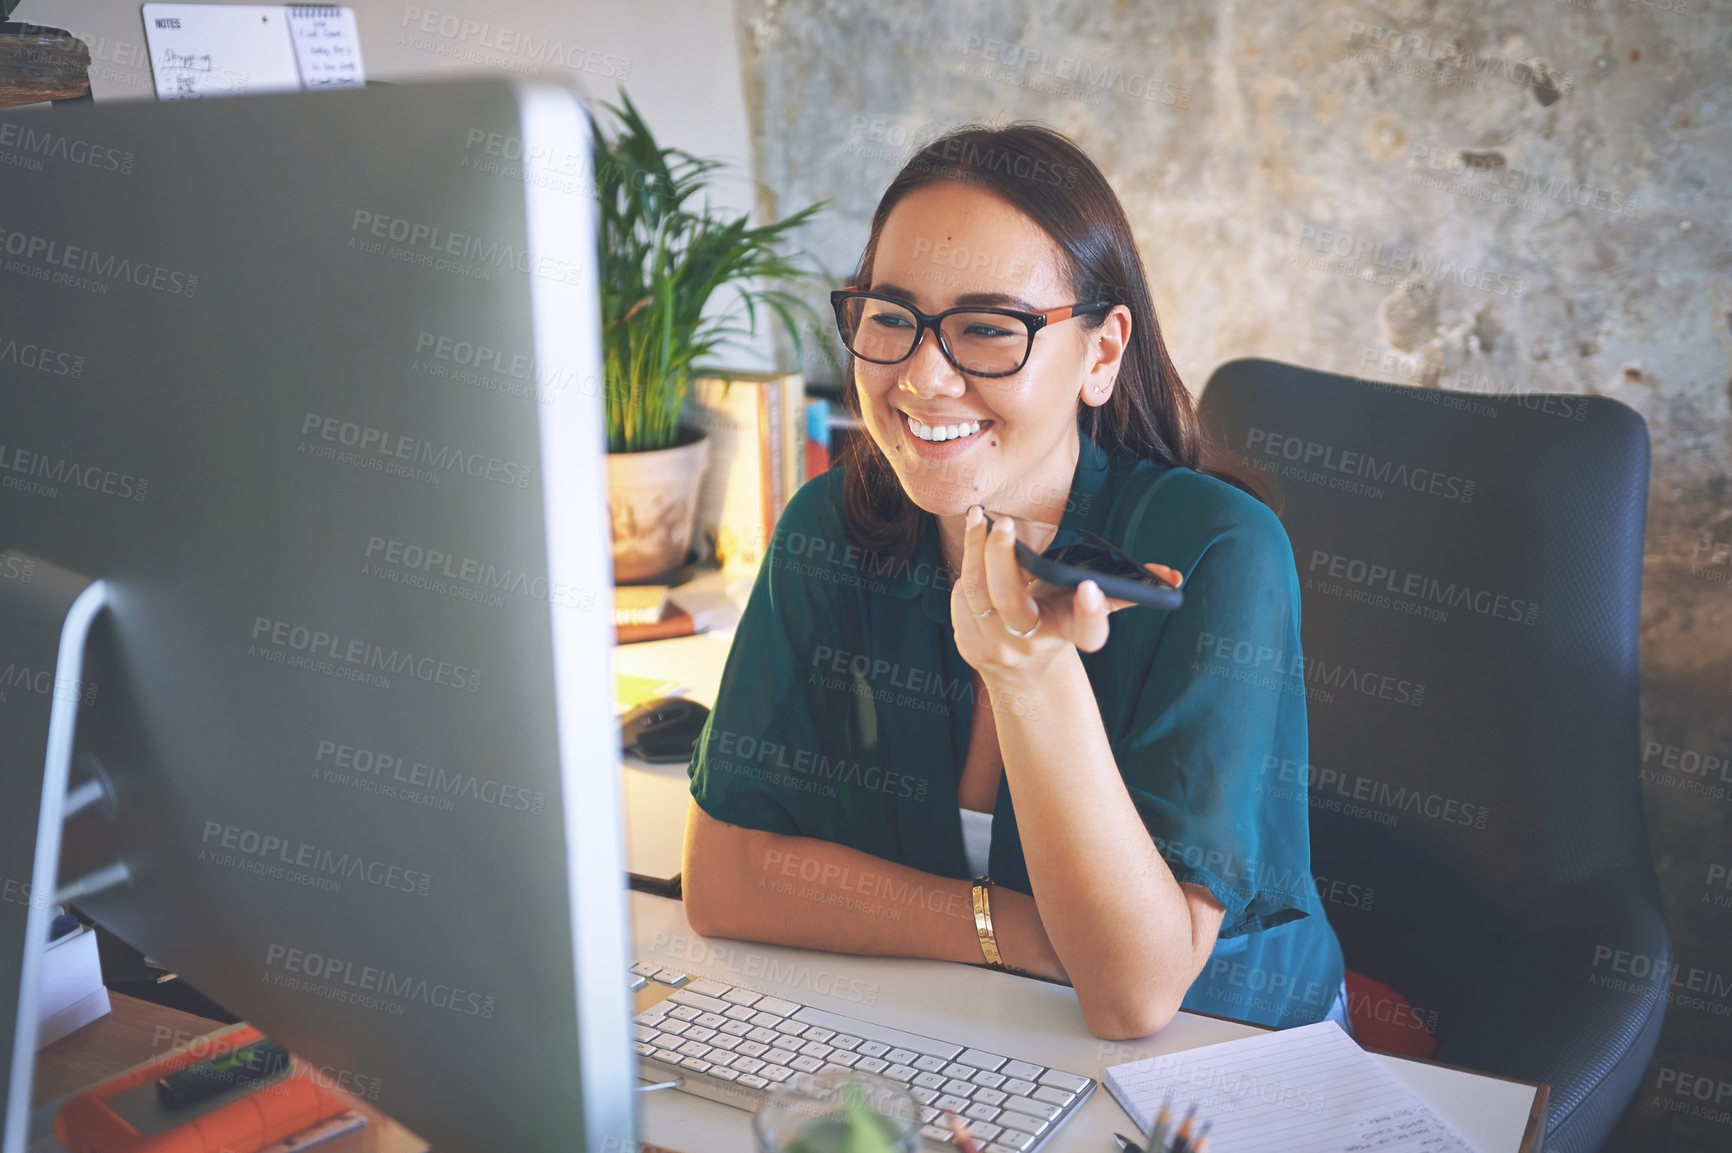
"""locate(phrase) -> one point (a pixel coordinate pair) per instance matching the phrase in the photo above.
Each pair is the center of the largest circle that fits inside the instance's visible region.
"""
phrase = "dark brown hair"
(1044, 175)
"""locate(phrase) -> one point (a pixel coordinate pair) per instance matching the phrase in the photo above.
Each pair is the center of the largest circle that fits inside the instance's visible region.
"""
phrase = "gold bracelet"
(983, 922)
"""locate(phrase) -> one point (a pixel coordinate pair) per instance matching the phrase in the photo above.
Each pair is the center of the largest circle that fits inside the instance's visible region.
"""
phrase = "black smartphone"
(1090, 557)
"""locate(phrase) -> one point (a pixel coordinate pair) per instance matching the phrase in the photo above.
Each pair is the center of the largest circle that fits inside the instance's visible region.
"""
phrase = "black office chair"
(1471, 570)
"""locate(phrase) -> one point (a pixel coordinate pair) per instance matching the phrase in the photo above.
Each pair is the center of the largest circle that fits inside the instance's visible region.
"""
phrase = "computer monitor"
(299, 422)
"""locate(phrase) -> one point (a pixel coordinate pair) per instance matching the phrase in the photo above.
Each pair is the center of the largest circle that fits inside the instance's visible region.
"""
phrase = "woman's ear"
(1106, 355)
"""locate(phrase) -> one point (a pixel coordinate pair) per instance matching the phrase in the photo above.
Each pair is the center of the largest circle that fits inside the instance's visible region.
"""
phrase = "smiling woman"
(1097, 806)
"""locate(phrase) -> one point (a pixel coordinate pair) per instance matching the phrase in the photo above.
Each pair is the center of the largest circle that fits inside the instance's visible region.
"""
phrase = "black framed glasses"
(987, 342)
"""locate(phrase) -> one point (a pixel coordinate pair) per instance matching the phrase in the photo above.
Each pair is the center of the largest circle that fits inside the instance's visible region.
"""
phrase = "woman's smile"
(941, 436)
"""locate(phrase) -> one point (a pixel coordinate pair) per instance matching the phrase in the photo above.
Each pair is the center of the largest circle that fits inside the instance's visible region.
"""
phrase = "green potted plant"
(662, 257)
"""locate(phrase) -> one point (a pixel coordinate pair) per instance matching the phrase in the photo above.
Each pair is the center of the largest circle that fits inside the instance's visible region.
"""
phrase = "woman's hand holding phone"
(1005, 622)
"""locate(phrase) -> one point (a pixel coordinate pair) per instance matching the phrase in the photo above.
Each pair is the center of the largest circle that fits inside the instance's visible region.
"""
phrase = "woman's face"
(949, 245)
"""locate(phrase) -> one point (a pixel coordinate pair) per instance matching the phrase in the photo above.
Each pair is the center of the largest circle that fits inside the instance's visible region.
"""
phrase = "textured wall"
(1483, 197)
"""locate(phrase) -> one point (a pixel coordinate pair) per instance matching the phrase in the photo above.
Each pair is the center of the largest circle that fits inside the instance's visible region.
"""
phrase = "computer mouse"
(663, 731)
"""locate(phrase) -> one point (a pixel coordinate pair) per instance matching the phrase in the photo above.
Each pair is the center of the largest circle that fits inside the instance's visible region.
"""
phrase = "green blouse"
(844, 714)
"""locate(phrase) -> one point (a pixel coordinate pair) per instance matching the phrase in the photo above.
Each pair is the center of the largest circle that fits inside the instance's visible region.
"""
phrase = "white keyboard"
(733, 1044)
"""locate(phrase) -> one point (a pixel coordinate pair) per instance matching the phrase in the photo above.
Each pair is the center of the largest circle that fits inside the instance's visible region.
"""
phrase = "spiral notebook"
(1305, 1090)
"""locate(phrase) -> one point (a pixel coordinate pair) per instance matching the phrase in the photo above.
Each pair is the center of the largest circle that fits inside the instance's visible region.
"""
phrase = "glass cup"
(838, 1113)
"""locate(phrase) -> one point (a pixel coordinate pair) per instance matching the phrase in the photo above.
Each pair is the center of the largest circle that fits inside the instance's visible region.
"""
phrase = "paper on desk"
(1305, 1090)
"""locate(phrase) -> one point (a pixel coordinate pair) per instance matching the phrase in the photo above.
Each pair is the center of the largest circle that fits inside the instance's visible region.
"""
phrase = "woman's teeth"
(943, 431)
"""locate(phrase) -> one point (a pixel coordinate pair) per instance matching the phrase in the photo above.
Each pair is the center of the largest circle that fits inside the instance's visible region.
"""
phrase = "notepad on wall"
(1305, 1090)
(199, 51)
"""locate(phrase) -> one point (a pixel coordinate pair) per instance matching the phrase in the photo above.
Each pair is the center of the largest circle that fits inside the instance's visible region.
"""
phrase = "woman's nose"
(926, 373)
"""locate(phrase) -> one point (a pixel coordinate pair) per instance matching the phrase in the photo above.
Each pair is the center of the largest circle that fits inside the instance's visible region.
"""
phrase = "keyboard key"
(747, 1064)
(707, 987)
(685, 1013)
(954, 1104)
(739, 1013)
(871, 1065)
(699, 1001)
(990, 1080)
(766, 1036)
(752, 1048)
(734, 1028)
(1053, 1096)
(1041, 1109)
(673, 1027)
(640, 969)
(979, 1112)
(874, 1048)
(983, 1130)
(724, 1074)
(645, 1049)
(776, 1005)
(941, 1135)
(695, 1065)
(929, 1080)
(902, 1073)
(924, 1096)
(653, 1014)
(959, 1088)
(764, 1020)
(960, 1071)
(697, 1034)
(791, 1028)
(1013, 1140)
(712, 1020)
(669, 977)
(1019, 1088)
(813, 1033)
(980, 1059)
(780, 1056)
(989, 1096)
(900, 1056)
(643, 1032)
(723, 1041)
(806, 1064)
(741, 996)
(695, 1049)
(1020, 1123)
(1022, 1069)
(929, 1063)
(636, 983)
(720, 1058)
(753, 1082)
(816, 1050)
(928, 1114)
(843, 1059)
(776, 1073)
(668, 1056)
(845, 1041)
(1069, 1082)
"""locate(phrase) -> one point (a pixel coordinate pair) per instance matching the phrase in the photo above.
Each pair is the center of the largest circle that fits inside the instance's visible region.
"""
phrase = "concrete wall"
(1284, 163)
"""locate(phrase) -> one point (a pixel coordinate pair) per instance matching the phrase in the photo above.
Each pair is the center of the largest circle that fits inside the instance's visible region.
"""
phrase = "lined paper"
(1305, 1090)
(327, 47)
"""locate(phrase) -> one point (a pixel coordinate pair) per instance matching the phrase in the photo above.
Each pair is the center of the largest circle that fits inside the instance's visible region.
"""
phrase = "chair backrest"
(1471, 568)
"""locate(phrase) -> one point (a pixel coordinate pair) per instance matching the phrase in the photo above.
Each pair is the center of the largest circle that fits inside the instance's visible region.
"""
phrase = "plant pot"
(652, 500)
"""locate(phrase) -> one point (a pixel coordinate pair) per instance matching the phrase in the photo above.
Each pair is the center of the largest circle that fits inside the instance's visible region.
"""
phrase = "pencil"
(1156, 1140)
(1182, 1139)
(1202, 1138)
(964, 1139)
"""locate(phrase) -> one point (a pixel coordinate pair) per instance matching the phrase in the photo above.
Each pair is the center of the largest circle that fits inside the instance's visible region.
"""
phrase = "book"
(1306, 1090)
(756, 425)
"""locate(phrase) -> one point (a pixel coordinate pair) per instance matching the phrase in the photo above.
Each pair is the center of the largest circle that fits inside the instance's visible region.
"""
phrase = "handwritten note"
(1304, 1090)
(327, 47)
(204, 50)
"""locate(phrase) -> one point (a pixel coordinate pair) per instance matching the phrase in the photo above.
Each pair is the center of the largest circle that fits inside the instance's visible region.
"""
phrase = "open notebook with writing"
(1304, 1090)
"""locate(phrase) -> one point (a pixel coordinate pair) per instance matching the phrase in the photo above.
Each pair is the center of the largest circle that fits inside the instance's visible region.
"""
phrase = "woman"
(885, 732)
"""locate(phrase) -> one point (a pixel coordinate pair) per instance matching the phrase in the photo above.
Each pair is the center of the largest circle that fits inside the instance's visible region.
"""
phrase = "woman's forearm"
(1115, 915)
(815, 894)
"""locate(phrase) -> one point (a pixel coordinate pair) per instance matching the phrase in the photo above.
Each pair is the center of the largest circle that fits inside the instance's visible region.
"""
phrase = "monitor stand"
(46, 613)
